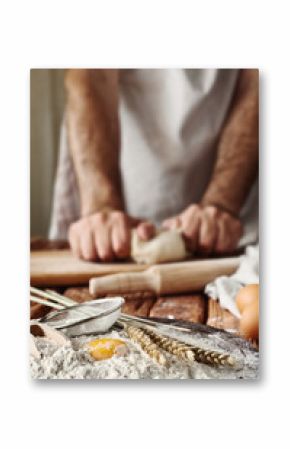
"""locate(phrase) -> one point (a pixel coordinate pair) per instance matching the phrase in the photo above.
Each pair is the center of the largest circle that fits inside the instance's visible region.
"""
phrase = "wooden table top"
(194, 307)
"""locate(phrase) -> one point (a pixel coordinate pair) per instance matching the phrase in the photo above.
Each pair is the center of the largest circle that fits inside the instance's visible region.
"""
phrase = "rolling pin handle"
(124, 283)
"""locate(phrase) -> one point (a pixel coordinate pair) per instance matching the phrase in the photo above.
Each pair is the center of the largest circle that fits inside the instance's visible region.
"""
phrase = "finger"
(172, 223)
(121, 239)
(103, 243)
(190, 229)
(230, 231)
(207, 234)
(145, 230)
(222, 241)
(74, 242)
(87, 245)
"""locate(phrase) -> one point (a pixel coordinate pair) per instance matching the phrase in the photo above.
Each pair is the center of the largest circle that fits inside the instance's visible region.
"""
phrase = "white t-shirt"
(170, 120)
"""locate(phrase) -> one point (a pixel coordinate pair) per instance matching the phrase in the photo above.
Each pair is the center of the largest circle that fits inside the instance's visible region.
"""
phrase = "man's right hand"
(106, 235)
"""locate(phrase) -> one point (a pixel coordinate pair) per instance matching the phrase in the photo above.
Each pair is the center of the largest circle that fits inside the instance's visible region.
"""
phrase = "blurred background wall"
(46, 111)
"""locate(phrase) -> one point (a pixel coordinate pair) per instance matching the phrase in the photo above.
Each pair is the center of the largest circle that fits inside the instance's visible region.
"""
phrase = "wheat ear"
(140, 336)
(189, 352)
(175, 347)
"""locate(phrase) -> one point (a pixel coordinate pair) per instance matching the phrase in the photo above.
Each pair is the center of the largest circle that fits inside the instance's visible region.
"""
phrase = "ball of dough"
(166, 246)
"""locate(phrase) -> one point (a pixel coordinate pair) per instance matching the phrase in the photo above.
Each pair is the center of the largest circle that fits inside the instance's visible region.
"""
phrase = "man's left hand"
(207, 229)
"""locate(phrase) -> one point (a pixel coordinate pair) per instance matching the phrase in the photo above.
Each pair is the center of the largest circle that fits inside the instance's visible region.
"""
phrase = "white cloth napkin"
(225, 288)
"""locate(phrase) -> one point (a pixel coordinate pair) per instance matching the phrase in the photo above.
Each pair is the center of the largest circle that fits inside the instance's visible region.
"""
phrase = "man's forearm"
(93, 133)
(238, 149)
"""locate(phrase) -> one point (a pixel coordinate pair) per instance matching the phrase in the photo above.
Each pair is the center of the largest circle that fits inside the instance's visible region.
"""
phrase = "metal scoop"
(73, 319)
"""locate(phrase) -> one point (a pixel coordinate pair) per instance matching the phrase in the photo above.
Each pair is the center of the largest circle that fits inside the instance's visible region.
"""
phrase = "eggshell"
(246, 296)
(249, 322)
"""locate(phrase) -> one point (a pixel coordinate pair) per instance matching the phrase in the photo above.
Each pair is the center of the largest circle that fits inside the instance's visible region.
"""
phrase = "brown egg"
(249, 322)
(246, 296)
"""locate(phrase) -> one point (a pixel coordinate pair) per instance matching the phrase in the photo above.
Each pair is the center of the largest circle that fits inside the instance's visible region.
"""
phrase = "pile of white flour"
(74, 362)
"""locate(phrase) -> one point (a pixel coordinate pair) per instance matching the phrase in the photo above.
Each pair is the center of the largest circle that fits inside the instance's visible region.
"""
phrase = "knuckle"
(85, 225)
(121, 219)
(118, 215)
(101, 218)
(226, 218)
(212, 211)
(193, 208)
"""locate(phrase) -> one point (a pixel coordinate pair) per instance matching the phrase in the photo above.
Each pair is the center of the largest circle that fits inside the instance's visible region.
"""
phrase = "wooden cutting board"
(60, 267)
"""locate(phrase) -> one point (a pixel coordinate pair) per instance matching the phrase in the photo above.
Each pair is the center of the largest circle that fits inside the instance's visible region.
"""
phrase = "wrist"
(220, 204)
(93, 201)
(91, 210)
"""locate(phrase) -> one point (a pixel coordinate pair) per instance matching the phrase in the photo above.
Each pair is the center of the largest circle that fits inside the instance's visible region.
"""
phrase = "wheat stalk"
(212, 357)
(140, 336)
(175, 347)
(189, 352)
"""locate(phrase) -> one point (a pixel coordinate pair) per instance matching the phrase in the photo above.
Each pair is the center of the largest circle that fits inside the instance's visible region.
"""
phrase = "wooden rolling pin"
(166, 278)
